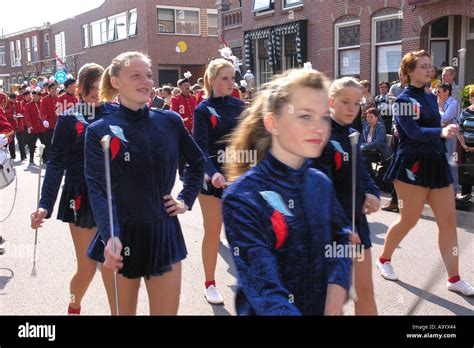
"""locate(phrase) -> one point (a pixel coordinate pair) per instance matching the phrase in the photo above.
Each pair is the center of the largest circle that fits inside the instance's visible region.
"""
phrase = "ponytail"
(107, 91)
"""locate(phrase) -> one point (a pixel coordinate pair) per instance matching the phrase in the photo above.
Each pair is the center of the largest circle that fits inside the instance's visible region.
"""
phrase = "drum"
(7, 173)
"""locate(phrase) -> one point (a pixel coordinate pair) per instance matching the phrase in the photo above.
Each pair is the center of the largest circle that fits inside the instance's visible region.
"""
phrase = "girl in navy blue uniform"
(282, 218)
(336, 162)
(420, 171)
(144, 150)
(214, 119)
(67, 154)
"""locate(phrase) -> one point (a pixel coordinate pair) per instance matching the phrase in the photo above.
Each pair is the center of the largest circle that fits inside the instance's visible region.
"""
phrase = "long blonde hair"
(107, 91)
(212, 71)
(250, 134)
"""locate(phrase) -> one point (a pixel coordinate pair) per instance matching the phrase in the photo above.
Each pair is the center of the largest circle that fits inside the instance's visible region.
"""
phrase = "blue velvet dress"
(145, 149)
(336, 162)
(421, 156)
(214, 119)
(282, 224)
(67, 155)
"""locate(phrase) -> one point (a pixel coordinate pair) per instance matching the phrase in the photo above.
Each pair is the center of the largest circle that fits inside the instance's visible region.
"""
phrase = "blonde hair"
(212, 71)
(338, 85)
(107, 91)
(250, 134)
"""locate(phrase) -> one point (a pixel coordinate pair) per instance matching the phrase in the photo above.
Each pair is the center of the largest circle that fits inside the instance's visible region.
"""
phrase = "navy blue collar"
(278, 170)
(219, 100)
(416, 90)
(132, 115)
(338, 128)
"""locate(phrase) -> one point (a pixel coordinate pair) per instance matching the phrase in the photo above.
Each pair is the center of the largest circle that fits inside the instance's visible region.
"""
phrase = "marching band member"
(68, 99)
(67, 155)
(34, 124)
(145, 149)
(214, 119)
(281, 215)
(48, 116)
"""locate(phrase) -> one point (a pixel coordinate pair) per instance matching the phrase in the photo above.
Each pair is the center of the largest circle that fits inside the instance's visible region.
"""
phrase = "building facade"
(362, 38)
(177, 35)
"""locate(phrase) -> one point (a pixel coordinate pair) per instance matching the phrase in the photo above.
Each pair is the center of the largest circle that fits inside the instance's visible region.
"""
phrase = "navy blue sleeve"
(257, 266)
(201, 136)
(339, 271)
(94, 168)
(194, 170)
(409, 124)
(57, 162)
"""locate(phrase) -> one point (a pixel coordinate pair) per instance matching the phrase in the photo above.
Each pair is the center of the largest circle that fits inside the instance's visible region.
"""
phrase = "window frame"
(98, 22)
(12, 54)
(63, 54)
(34, 48)
(285, 7)
(47, 51)
(18, 51)
(337, 49)
(375, 45)
(213, 12)
(262, 10)
(115, 28)
(85, 29)
(175, 8)
(449, 38)
(130, 13)
(3, 55)
(28, 49)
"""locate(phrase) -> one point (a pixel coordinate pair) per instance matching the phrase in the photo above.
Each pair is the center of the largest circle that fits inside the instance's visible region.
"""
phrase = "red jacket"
(65, 102)
(5, 126)
(48, 110)
(185, 108)
(11, 111)
(32, 117)
(3, 100)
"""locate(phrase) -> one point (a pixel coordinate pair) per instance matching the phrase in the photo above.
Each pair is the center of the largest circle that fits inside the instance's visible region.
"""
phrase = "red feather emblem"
(214, 121)
(280, 227)
(114, 147)
(414, 167)
(77, 202)
(79, 128)
(338, 160)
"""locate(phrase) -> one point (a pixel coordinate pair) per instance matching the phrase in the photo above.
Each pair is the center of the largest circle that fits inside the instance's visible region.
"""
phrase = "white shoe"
(213, 296)
(386, 270)
(462, 287)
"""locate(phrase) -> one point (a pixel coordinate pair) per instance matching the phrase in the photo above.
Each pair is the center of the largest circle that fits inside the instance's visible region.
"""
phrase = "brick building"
(363, 38)
(155, 27)
(25, 54)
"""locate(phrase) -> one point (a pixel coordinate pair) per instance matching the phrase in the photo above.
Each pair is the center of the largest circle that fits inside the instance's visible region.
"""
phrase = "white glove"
(3, 140)
(46, 124)
(29, 130)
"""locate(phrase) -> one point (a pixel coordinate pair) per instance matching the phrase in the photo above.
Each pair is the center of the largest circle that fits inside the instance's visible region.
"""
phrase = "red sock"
(454, 279)
(382, 260)
(71, 310)
(208, 284)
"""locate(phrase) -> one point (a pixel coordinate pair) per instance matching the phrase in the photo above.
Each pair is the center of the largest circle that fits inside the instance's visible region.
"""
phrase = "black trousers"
(465, 188)
(32, 139)
(48, 137)
(11, 148)
(21, 137)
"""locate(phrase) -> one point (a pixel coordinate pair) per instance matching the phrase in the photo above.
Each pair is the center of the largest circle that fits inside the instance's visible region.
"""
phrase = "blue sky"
(24, 14)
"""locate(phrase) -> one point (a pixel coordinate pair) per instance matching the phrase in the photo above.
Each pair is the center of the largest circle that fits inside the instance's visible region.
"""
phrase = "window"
(13, 80)
(132, 30)
(18, 52)
(348, 49)
(179, 21)
(85, 35)
(28, 50)
(440, 28)
(3, 60)
(212, 22)
(34, 44)
(440, 41)
(471, 25)
(12, 54)
(263, 5)
(99, 32)
(290, 51)
(388, 47)
(117, 28)
(264, 69)
(20, 80)
(237, 51)
(46, 45)
(60, 47)
(291, 3)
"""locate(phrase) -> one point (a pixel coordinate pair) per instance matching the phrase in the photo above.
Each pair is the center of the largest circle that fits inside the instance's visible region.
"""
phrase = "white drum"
(7, 172)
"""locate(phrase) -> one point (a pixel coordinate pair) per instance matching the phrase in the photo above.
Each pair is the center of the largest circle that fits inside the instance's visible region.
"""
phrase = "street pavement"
(416, 261)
